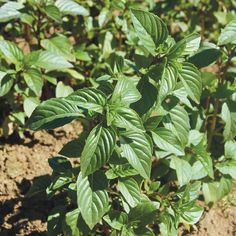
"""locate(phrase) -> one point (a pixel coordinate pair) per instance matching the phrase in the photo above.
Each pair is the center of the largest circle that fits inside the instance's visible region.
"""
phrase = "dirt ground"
(20, 164)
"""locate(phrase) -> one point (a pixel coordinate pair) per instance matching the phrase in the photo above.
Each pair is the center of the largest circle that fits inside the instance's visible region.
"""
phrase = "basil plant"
(139, 158)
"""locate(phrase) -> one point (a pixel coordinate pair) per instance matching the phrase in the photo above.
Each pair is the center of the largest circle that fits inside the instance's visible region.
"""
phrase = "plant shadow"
(25, 216)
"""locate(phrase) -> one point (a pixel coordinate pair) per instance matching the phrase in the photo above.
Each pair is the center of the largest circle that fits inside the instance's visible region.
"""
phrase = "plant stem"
(213, 123)
(39, 28)
(222, 79)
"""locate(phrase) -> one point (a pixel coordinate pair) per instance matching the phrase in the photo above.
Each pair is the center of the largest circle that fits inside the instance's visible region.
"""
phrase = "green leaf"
(53, 113)
(186, 46)
(189, 193)
(116, 63)
(59, 45)
(50, 79)
(98, 149)
(177, 121)
(27, 19)
(125, 92)
(192, 43)
(198, 171)
(9, 11)
(63, 90)
(127, 118)
(121, 171)
(214, 191)
(82, 55)
(125, 231)
(168, 81)
(137, 150)
(144, 213)
(88, 98)
(168, 224)
(166, 140)
(182, 95)
(116, 219)
(34, 81)
(31, 58)
(107, 45)
(150, 29)
(206, 55)
(191, 215)
(92, 204)
(183, 170)
(51, 61)
(229, 117)
(191, 79)
(152, 122)
(204, 157)
(6, 83)
(225, 186)
(71, 7)
(70, 223)
(11, 51)
(53, 13)
(130, 190)
(58, 182)
(228, 34)
(74, 225)
(230, 149)
(30, 103)
(210, 192)
(227, 167)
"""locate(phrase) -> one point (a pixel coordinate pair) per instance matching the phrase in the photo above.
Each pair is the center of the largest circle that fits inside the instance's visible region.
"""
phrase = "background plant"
(45, 42)
(92, 34)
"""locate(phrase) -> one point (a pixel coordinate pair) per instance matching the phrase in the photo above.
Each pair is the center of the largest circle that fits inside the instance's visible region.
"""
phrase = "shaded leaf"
(6, 83)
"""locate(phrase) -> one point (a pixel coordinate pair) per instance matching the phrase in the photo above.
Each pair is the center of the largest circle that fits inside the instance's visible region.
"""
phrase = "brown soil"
(218, 222)
(21, 164)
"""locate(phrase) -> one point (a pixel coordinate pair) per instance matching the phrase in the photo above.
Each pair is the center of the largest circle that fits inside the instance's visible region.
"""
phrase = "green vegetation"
(157, 105)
